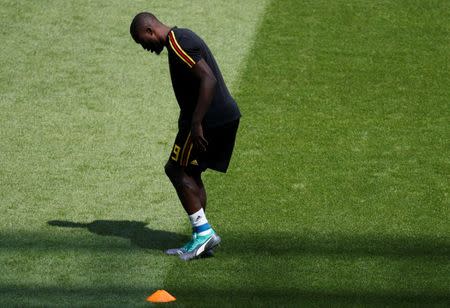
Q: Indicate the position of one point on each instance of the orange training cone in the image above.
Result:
(161, 296)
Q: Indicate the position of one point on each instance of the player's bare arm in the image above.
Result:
(206, 92)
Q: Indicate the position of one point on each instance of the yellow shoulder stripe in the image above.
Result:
(179, 51)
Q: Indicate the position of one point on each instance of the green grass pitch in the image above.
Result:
(338, 192)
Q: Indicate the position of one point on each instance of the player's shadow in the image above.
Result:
(135, 231)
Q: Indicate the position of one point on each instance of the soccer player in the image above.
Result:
(207, 124)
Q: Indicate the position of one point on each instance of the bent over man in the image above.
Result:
(207, 124)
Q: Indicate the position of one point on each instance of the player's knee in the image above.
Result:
(172, 172)
(175, 174)
(188, 185)
(180, 179)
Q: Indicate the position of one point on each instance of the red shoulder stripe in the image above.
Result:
(179, 51)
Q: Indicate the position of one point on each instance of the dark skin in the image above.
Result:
(151, 34)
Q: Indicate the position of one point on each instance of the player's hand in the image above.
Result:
(198, 139)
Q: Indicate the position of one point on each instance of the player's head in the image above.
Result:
(145, 30)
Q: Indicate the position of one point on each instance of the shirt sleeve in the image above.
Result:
(185, 48)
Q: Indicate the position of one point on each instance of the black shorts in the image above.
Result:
(218, 152)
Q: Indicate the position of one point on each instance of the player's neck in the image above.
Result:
(164, 33)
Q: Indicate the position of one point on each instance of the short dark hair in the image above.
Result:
(140, 20)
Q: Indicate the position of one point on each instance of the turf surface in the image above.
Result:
(337, 193)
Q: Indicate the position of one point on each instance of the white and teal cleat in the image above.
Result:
(201, 246)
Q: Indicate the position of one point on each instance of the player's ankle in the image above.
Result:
(200, 223)
(206, 232)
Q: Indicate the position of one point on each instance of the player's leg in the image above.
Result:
(192, 194)
(188, 193)
(221, 142)
(203, 199)
(186, 186)
(184, 171)
(198, 179)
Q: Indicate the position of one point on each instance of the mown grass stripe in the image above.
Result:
(334, 195)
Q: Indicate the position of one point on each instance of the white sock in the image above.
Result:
(200, 223)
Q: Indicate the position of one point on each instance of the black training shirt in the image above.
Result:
(185, 50)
